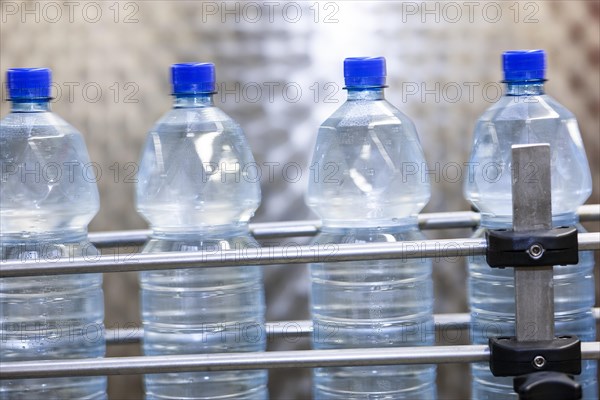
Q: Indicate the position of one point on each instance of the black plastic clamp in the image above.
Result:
(506, 248)
(543, 369)
(508, 357)
(547, 386)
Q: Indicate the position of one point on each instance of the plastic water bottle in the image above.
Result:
(526, 115)
(197, 191)
(365, 187)
(46, 203)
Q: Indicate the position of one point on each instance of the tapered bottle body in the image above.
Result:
(194, 190)
(526, 115)
(47, 199)
(365, 186)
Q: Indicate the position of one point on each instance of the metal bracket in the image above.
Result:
(532, 210)
(513, 358)
(556, 246)
(533, 243)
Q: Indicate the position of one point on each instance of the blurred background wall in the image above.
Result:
(279, 67)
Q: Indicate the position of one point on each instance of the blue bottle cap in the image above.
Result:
(192, 78)
(364, 71)
(524, 65)
(28, 83)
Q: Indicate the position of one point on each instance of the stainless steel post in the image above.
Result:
(532, 210)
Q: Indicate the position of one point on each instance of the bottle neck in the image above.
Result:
(365, 93)
(193, 100)
(30, 106)
(530, 88)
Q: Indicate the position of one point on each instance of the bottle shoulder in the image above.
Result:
(208, 124)
(203, 133)
(526, 108)
(195, 116)
(367, 165)
(35, 124)
(196, 170)
(50, 186)
(365, 112)
(526, 120)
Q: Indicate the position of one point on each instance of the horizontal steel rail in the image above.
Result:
(294, 329)
(293, 254)
(250, 256)
(442, 220)
(266, 360)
